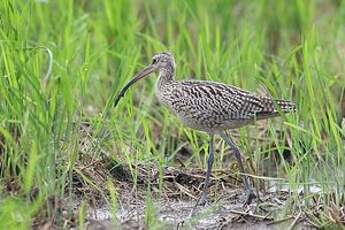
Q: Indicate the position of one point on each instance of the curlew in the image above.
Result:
(211, 107)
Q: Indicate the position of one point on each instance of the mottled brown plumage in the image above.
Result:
(211, 107)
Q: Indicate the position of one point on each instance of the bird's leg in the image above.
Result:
(203, 198)
(247, 186)
(209, 169)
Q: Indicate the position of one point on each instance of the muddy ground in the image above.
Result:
(226, 213)
(169, 205)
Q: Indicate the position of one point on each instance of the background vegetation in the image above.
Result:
(62, 62)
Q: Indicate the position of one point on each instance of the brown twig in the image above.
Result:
(184, 190)
(280, 220)
(252, 215)
(293, 224)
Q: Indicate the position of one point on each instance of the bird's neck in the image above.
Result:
(165, 79)
(166, 76)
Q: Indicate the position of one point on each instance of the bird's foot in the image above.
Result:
(202, 201)
(250, 195)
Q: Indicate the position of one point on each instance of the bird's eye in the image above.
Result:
(154, 60)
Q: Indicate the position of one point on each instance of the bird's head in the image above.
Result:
(164, 63)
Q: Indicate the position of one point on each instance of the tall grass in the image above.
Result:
(61, 63)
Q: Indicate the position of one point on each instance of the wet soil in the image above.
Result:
(228, 212)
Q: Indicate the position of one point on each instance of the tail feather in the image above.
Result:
(272, 107)
(286, 106)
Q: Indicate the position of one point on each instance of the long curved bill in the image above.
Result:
(143, 73)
